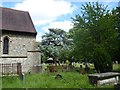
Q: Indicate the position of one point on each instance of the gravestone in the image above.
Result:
(99, 79)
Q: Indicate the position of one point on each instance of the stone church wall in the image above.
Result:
(19, 44)
(22, 49)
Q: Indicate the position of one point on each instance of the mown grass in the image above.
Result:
(47, 80)
(116, 67)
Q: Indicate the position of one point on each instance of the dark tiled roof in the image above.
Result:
(15, 20)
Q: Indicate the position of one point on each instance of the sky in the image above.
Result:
(52, 13)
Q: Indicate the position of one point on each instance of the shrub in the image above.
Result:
(102, 60)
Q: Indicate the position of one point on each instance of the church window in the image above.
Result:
(5, 45)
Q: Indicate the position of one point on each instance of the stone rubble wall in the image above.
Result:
(19, 44)
(22, 49)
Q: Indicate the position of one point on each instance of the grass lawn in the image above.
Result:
(47, 80)
(116, 67)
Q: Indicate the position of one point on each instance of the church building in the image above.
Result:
(18, 39)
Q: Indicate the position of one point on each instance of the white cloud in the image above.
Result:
(45, 11)
(64, 25)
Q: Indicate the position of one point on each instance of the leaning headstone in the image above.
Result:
(22, 76)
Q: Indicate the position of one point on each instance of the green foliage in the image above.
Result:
(95, 35)
(55, 44)
(102, 60)
(83, 44)
(116, 13)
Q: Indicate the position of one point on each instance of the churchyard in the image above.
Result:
(47, 79)
(94, 38)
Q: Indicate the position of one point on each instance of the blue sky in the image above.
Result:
(52, 13)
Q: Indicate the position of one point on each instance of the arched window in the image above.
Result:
(5, 45)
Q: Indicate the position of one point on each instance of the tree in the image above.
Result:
(55, 43)
(95, 35)
(82, 44)
(116, 13)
